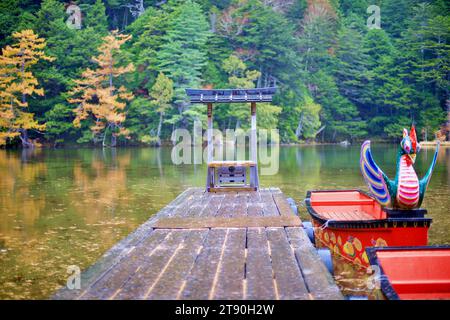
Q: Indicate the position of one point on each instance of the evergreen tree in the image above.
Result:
(148, 30)
(162, 94)
(351, 72)
(386, 96)
(183, 53)
(73, 50)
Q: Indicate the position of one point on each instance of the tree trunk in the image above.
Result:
(25, 140)
(238, 124)
(212, 20)
(298, 131)
(158, 132)
(447, 102)
(104, 137)
(113, 140)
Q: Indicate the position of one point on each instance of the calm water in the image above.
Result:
(67, 207)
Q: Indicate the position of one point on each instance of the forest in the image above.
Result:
(114, 72)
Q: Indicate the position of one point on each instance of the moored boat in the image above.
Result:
(349, 221)
(410, 273)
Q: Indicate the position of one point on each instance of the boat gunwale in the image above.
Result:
(385, 285)
(362, 224)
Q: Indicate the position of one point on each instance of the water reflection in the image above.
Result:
(64, 207)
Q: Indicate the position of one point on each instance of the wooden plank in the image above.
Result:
(282, 204)
(107, 285)
(171, 281)
(231, 189)
(259, 276)
(230, 276)
(255, 210)
(207, 199)
(198, 205)
(240, 205)
(214, 205)
(319, 281)
(255, 197)
(216, 164)
(201, 278)
(338, 202)
(152, 267)
(181, 209)
(227, 207)
(171, 208)
(237, 222)
(255, 206)
(269, 207)
(288, 278)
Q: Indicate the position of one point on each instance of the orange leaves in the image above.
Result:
(17, 82)
(95, 93)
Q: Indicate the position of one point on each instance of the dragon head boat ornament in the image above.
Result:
(406, 191)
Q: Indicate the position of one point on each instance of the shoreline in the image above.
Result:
(444, 144)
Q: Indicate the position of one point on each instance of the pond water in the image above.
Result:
(67, 207)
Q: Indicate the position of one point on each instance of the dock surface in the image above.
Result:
(228, 245)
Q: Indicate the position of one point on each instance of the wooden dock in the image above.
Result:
(229, 245)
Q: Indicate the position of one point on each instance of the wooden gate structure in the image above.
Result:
(231, 175)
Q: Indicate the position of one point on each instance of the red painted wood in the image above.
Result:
(346, 205)
(418, 274)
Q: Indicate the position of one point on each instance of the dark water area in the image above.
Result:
(68, 206)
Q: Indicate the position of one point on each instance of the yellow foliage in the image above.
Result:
(95, 93)
(17, 82)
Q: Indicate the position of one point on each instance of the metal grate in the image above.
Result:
(229, 175)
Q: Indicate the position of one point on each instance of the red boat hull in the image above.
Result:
(410, 273)
(349, 221)
(351, 243)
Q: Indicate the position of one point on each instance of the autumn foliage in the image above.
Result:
(16, 83)
(97, 98)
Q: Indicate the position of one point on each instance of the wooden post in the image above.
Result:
(253, 149)
(210, 133)
(253, 140)
(210, 149)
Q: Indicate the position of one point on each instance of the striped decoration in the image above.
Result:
(373, 176)
(408, 184)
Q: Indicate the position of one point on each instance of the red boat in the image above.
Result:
(410, 273)
(348, 221)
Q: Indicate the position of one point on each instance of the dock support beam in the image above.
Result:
(253, 148)
(210, 133)
(253, 141)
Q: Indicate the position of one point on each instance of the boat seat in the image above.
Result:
(342, 202)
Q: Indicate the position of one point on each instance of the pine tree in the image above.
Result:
(241, 78)
(183, 54)
(268, 38)
(162, 94)
(17, 81)
(387, 97)
(149, 30)
(73, 50)
(351, 72)
(97, 97)
(95, 17)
